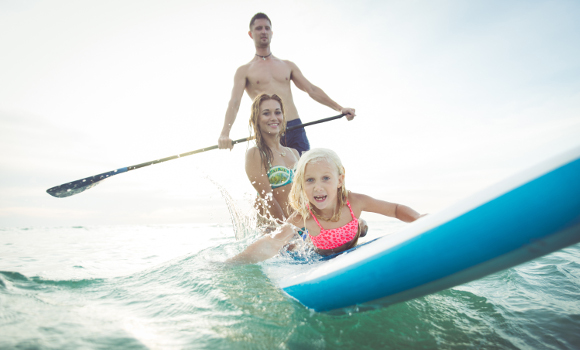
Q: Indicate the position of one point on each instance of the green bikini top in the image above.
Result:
(280, 176)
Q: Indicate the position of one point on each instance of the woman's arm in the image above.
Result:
(259, 179)
(399, 211)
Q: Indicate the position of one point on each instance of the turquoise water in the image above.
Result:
(165, 287)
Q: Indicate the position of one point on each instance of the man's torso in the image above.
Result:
(271, 76)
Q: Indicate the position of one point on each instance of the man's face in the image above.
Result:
(261, 32)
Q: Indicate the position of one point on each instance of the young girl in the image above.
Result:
(325, 208)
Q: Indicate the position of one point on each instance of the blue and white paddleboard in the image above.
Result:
(524, 217)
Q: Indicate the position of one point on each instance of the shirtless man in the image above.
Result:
(266, 73)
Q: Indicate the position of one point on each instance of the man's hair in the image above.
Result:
(258, 16)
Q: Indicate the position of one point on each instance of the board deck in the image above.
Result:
(524, 217)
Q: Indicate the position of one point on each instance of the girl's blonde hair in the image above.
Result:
(266, 154)
(297, 197)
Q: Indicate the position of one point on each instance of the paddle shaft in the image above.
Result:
(71, 188)
(133, 167)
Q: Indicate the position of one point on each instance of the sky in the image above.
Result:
(451, 97)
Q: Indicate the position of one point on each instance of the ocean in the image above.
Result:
(166, 287)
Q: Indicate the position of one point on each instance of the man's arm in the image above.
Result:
(224, 140)
(316, 93)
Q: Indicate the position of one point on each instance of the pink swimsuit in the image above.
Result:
(330, 239)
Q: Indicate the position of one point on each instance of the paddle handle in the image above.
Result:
(315, 122)
(133, 167)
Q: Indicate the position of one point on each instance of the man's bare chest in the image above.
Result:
(260, 76)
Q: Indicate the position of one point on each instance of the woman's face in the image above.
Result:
(271, 117)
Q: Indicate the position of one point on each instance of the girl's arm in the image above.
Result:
(395, 210)
(265, 247)
(259, 179)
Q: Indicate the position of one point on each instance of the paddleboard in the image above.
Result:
(524, 217)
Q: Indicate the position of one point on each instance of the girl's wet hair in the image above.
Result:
(297, 197)
(266, 154)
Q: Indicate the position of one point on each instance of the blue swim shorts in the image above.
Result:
(296, 138)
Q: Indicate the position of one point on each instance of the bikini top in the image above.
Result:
(279, 175)
(330, 239)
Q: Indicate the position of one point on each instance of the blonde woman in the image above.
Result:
(269, 165)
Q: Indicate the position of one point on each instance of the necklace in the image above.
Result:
(282, 153)
(264, 57)
(334, 218)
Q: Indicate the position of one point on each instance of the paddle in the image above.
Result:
(75, 187)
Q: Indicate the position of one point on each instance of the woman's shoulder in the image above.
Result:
(254, 161)
(253, 153)
(295, 152)
(252, 149)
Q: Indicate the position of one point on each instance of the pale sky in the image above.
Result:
(451, 97)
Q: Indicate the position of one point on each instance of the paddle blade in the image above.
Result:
(75, 187)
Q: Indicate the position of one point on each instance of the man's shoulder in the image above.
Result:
(288, 63)
(243, 68)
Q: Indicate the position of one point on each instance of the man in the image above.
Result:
(266, 73)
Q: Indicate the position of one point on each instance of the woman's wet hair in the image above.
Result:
(297, 198)
(266, 154)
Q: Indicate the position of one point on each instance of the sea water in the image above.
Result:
(166, 287)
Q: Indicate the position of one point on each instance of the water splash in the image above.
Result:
(248, 223)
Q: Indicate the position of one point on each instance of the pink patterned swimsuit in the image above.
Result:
(330, 239)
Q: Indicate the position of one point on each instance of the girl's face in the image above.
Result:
(321, 181)
(271, 117)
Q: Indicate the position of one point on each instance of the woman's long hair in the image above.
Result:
(266, 154)
(298, 199)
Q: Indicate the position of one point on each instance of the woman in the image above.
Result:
(269, 164)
